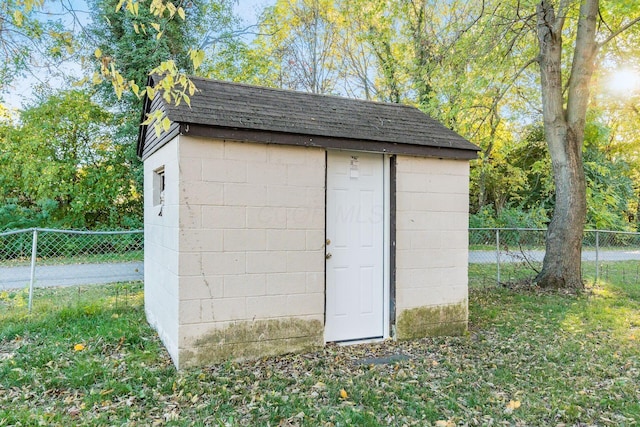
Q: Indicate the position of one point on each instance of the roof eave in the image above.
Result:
(283, 138)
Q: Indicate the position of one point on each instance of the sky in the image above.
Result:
(247, 8)
(21, 92)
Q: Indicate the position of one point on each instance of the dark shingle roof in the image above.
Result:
(232, 106)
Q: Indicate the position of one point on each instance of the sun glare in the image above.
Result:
(624, 81)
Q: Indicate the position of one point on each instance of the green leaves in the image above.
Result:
(64, 161)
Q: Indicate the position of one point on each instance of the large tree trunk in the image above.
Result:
(562, 261)
(564, 132)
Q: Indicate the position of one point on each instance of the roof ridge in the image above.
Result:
(299, 92)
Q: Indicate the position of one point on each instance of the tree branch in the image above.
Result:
(619, 30)
(496, 100)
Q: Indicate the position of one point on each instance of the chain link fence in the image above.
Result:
(39, 257)
(45, 257)
(502, 255)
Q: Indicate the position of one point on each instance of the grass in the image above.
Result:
(485, 275)
(87, 357)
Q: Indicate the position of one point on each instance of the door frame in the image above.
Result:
(387, 244)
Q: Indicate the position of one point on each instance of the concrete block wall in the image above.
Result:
(161, 251)
(432, 210)
(251, 241)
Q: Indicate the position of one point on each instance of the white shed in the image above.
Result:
(278, 221)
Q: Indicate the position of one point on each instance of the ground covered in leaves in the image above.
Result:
(530, 358)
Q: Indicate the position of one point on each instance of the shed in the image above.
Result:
(278, 221)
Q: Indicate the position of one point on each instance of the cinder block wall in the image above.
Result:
(161, 248)
(432, 211)
(251, 240)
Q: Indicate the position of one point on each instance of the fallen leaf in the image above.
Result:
(78, 347)
(343, 393)
(512, 406)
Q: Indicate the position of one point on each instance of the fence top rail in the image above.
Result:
(52, 230)
(507, 229)
(9, 233)
(84, 232)
(634, 233)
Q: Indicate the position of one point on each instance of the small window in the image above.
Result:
(158, 188)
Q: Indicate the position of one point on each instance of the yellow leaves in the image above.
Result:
(197, 57)
(512, 406)
(133, 7)
(174, 86)
(166, 124)
(166, 67)
(160, 8)
(155, 116)
(151, 92)
(78, 347)
(18, 18)
(117, 81)
(160, 121)
(343, 394)
(96, 78)
(134, 88)
(97, 53)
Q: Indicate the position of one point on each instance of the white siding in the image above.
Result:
(161, 250)
(252, 234)
(432, 198)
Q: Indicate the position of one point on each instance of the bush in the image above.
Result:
(509, 217)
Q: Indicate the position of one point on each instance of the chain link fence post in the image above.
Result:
(597, 256)
(498, 254)
(517, 254)
(34, 255)
(35, 258)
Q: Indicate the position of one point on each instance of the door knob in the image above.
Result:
(328, 255)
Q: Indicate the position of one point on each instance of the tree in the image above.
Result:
(302, 39)
(61, 166)
(564, 111)
(29, 41)
(130, 41)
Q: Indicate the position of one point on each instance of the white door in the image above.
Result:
(354, 250)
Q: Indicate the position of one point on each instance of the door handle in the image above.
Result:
(328, 255)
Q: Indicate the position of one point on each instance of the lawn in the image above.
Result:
(87, 357)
